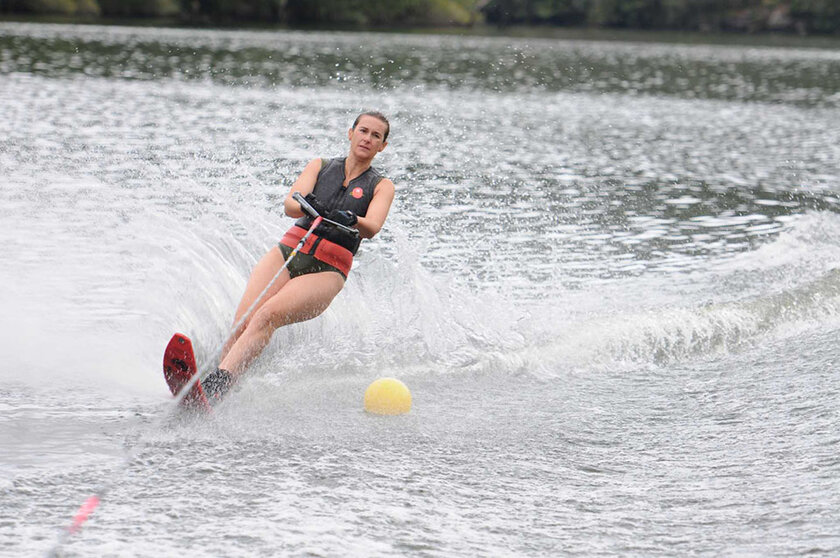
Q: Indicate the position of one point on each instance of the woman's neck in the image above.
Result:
(354, 168)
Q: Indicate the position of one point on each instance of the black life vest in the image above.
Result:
(332, 194)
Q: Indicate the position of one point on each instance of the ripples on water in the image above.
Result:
(609, 279)
(801, 76)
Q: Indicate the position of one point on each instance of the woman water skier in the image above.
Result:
(348, 191)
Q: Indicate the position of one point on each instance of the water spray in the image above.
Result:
(92, 502)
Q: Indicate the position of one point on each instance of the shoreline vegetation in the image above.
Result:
(548, 18)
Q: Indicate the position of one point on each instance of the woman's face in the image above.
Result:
(367, 138)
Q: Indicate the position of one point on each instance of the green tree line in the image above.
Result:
(803, 16)
(343, 12)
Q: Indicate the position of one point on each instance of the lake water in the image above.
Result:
(610, 279)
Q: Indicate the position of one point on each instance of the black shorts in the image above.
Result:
(304, 263)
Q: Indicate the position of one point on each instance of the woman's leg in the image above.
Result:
(301, 298)
(262, 274)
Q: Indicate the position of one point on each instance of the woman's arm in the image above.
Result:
(304, 184)
(378, 209)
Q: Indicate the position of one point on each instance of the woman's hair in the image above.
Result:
(379, 116)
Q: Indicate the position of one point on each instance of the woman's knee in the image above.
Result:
(263, 320)
(273, 316)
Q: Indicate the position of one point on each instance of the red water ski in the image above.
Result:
(178, 367)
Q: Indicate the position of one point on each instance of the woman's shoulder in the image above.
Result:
(315, 164)
(384, 184)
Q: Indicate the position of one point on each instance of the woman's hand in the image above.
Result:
(316, 205)
(343, 217)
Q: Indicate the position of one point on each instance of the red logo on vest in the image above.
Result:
(357, 193)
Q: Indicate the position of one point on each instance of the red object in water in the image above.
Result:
(178, 368)
(84, 512)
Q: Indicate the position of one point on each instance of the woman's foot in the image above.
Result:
(217, 384)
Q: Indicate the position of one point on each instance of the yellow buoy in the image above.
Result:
(387, 396)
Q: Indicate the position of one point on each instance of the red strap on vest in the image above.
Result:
(326, 251)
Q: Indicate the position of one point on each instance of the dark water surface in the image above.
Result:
(610, 279)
